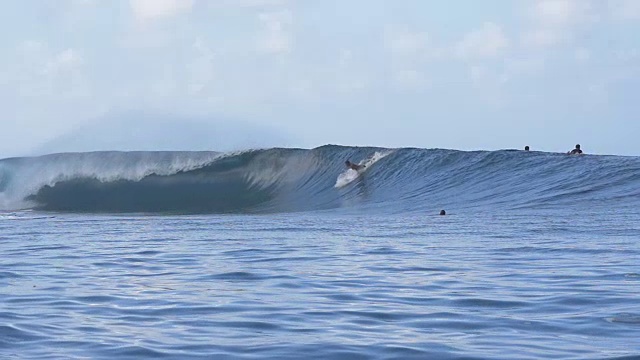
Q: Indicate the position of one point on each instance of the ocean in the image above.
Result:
(284, 254)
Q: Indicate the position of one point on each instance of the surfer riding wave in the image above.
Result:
(353, 166)
(355, 171)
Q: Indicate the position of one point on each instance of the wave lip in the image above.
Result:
(284, 180)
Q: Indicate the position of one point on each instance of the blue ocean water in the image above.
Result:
(283, 254)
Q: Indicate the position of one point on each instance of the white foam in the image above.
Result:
(346, 178)
(25, 177)
(350, 175)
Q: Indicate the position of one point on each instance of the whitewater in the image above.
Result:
(285, 253)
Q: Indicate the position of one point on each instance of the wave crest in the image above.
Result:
(280, 180)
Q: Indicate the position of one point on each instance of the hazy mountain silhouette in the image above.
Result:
(149, 132)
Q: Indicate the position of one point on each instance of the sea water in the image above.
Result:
(368, 271)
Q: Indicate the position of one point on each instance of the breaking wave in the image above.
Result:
(286, 180)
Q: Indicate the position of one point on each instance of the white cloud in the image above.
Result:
(489, 85)
(493, 81)
(401, 41)
(201, 68)
(276, 38)
(583, 55)
(48, 74)
(218, 4)
(146, 10)
(31, 48)
(630, 56)
(486, 42)
(625, 9)
(65, 60)
(545, 37)
(524, 66)
(256, 3)
(564, 12)
(345, 58)
(84, 2)
(408, 79)
(351, 76)
(477, 73)
(555, 11)
(410, 53)
(555, 22)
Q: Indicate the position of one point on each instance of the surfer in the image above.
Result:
(353, 166)
(576, 151)
(526, 148)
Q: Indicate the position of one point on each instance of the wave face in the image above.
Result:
(287, 180)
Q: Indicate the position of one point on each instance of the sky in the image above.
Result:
(82, 75)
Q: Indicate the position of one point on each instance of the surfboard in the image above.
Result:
(349, 175)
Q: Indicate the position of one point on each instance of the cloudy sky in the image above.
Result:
(463, 74)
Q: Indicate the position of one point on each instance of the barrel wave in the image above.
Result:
(289, 180)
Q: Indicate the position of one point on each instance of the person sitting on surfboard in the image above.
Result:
(353, 166)
(575, 151)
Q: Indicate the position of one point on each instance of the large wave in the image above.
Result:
(286, 180)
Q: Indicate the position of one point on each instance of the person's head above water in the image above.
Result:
(526, 148)
(577, 150)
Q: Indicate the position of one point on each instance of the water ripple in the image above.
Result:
(152, 287)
